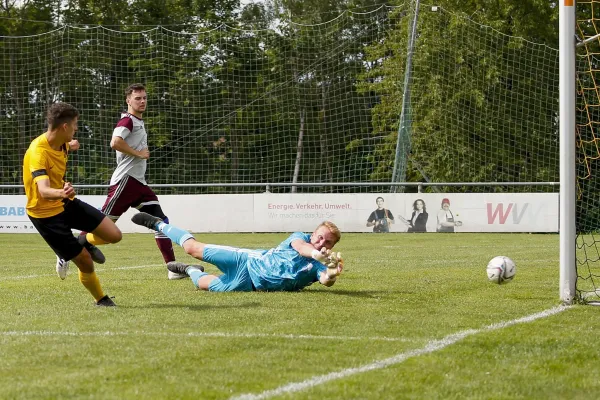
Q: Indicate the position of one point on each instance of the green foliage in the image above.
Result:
(475, 115)
(233, 89)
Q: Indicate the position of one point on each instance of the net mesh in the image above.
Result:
(588, 153)
(483, 105)
(295, 103)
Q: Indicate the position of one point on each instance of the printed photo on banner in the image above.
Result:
(446, 219)
(418, 219)
(381, 218)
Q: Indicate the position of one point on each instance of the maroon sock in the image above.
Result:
(166, 248)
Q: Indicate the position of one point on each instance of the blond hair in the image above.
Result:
(335, 231)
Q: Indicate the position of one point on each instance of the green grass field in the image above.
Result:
(412, 317)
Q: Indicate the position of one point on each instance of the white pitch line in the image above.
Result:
(430, 347)
(479, 246)
(7, 278)
(202, 334)
(134, 267)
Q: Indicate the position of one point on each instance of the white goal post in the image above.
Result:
(568, 274)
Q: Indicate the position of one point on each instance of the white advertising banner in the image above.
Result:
(268, 212)
(473, 212)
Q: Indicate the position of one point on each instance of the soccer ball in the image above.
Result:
(501, 269)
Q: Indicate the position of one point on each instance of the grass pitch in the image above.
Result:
(412, 317)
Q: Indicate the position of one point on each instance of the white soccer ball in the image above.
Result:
(501, 269)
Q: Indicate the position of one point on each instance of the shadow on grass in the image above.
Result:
(194, 307)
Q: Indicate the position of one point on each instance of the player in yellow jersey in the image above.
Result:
(51, 203)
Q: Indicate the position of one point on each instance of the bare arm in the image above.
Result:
(117, 143)
(308, 250)
(49, 193)
(403, 220)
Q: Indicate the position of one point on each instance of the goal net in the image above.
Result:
(588, 150)
(240, 104)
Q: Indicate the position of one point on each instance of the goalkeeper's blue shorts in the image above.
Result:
(232, 261)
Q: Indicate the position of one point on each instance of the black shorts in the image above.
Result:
(56, 230)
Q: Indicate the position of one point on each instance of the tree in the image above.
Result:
(21, 97)
(483, 104)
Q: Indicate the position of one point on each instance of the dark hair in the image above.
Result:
(415, 205)
(134, 88)
(377, 199)
(60, 113)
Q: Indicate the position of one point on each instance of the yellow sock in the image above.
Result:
(95, 240)
(92, 284)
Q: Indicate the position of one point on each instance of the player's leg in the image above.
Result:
(230, 260)
(200, 279)
(89, 279)
(56, 231)
(82, 216)
(118, 200)
(108, 231)
(171, 232)
(177, 235)
(52, 229)
(95, 252)
(148, 202)
(116, 203)
(163, 243)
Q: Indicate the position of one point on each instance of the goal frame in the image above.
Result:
(567, 78)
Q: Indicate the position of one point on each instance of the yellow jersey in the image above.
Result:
(43, 162)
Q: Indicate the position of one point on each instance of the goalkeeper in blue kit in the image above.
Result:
(297, 262)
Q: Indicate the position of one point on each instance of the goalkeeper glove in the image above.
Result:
(334, 265)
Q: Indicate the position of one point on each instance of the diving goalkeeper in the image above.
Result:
(297, 262)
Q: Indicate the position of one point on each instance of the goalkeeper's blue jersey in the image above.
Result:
(283, 268)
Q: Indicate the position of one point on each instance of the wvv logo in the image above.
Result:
(502, 214)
